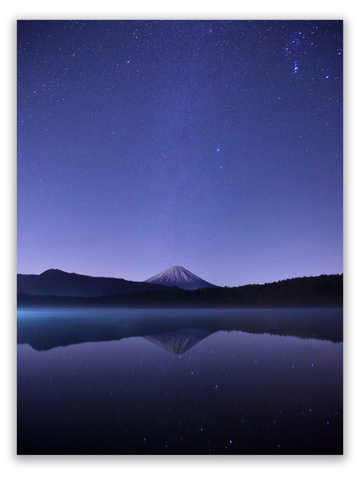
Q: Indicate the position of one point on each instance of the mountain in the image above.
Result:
(180, 277)
(59, 283)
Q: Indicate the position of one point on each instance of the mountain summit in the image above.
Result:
(180, 277)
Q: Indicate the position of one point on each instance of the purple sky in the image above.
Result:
(213, 145)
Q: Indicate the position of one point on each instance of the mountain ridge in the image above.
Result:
(59, 283)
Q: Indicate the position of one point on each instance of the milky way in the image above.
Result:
(214, 145)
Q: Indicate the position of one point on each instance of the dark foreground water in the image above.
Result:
(180, 381)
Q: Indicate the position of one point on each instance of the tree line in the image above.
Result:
(321, 291)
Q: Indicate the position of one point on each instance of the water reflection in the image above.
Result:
(212, 388)
(46, 329)
(178, 342)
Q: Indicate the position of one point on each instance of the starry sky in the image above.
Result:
(214, 145)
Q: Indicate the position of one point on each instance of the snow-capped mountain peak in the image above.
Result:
(180, 277)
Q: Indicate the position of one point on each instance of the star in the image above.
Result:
(149, 112)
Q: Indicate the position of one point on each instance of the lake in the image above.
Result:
(216, 381)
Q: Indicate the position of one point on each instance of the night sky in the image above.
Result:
(213, 145)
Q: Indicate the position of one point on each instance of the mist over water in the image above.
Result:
(159, 382)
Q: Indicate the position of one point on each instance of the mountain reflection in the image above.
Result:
(174, 330)
(179, 342)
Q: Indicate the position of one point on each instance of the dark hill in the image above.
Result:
(62, 284)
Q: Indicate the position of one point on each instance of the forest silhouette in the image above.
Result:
(321, 291)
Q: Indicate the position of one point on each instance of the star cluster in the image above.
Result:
(215, 145)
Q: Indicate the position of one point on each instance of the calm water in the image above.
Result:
(180, 381)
